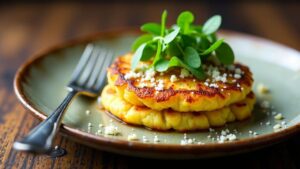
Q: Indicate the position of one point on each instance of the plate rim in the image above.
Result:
(251, 142)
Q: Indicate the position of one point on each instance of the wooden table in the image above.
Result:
(29, 28)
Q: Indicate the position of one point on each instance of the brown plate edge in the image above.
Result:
(109, 144)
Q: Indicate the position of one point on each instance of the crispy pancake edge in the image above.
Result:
(172, 120)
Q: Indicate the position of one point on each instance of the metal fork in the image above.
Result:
(88, 78)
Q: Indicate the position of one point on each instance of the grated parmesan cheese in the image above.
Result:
(184, 73)
(111, 130)
(156, 140)
(150, 73)
(262, 89)
(278, 117)
(160, 85)
(145, 139)
(238, 71)
(214, 85)
(173, 78)
(87, 112)
(132, 137)
(277, 127)
(265, 104)
(132, 75)
(237, 76)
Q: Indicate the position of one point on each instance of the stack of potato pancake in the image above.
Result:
(175, 99)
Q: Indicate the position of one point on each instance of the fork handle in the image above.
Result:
(40, 139)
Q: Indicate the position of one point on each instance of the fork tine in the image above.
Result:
(102, 73)
(97, 67)
(82, 62)
(88, 69)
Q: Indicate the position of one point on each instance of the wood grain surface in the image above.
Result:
(26, 29)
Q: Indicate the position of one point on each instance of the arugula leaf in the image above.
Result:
(225, 54)
(171, 36)
(212, 37)
(198, 73)
(213, 47)
(152, 28)
(137, 56)
(176, 62)
(173, 49)
(197, 28)
(184, 20)
(188, 40)
(164, 47)
(161, 65)
(140, 40)
(203, 43)
(191, 57)
(148, 53)
(212, 24)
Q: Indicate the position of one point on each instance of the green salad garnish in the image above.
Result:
(184, 44)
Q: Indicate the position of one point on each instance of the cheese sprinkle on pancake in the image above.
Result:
(169, 119)
(176, 89)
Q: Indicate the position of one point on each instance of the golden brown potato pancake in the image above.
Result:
(178, 91)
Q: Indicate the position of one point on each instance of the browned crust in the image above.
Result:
(165, 94)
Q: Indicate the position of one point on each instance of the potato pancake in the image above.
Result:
(176, 89)
(169, 119)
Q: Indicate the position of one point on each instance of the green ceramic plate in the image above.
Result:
(40, 86)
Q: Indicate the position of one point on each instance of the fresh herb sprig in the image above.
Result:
(184, 45)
